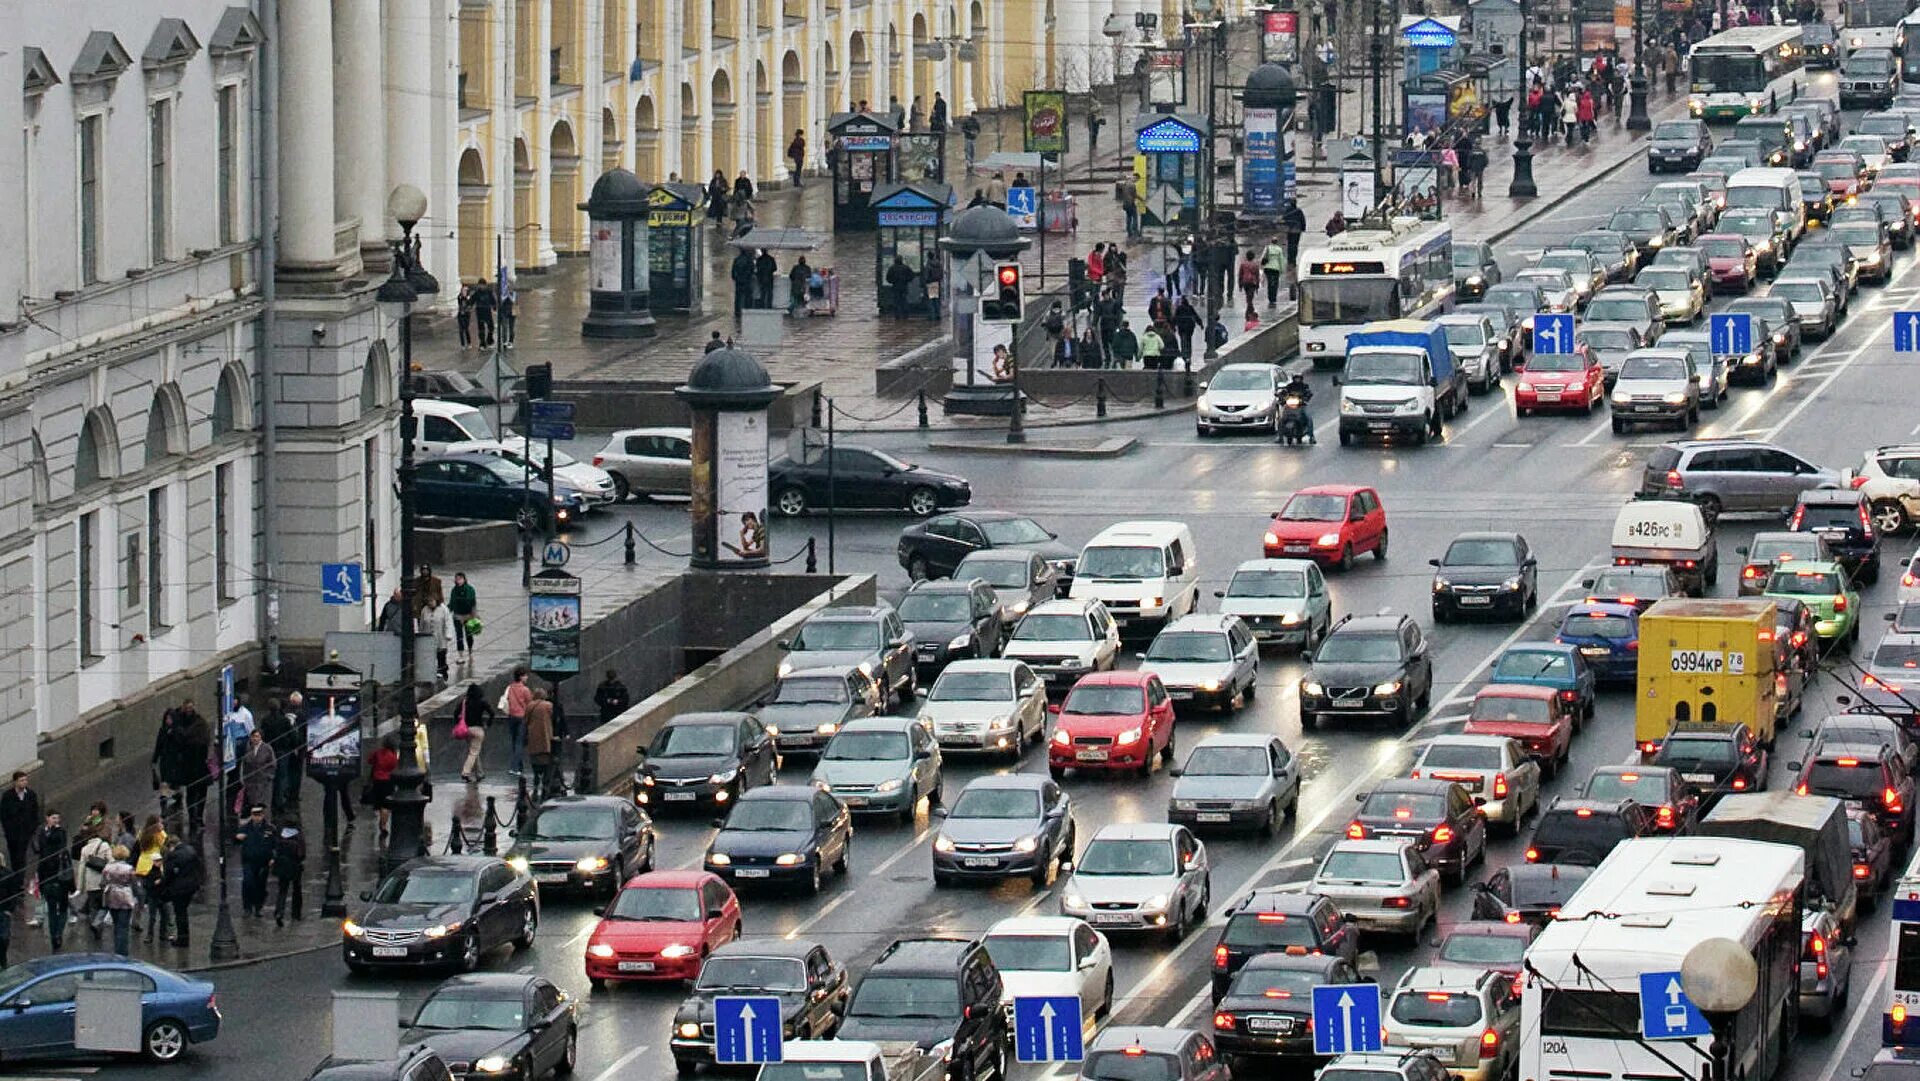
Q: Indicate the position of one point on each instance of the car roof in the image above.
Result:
(1832, 495)
(941, 585)
(766, 946)
(1461, 739)
(1282, 961)
(1279, 899)
(1381, 623)
(816, 671)
(1441, 977)
(1028, 781)
(1573, 805)
(882, 724)
(1280, 564)
(1516, 690)
(1072, 606)
(1493, 929)
(1848, 747)
(995, 665)
(1487, 535)
(669, 879)
(709, 717)
(487, 981)
(1136, 831)
(1602, 608)
(1036, 925)
(927, 954)
(1372, 844)
(1810, 567)
(1114, 677)
(611, 803)
(1414, 785)
(1235, 739)
(770, 793)
(851, 612)
(622, 433)
(1215, 622)
(1333, 489)
(469, 864)
(1154, 1038)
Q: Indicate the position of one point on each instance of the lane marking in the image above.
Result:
(1814, 395)
(614, 1069)
(1863, 1005)
(846, 894)
(910, 846)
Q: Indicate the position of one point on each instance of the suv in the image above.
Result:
(1277, 920)
(1869, 774)
(1469, 1017)
(1377, 665)
(1841, 515)
(1713, 757)
(1583, 831)
(951, 619)
(1063, 640)
(1439, 816)
(891, 1002)
(869, 637)
(1206, 660)
(1731, 475)
(1889, 477)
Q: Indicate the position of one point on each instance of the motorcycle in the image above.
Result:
(1296, 426)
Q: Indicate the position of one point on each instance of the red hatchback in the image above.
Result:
(1555, 381)
(1535, 716)
(1732, 264)
(1330, 523)
(661, 926)
(1112, 721)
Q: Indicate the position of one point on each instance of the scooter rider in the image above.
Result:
(1296, 387)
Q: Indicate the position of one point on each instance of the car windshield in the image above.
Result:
(1117, 856)
(995, 803)
(1243, 379)
(838, 636)
(1634, 221)
(1436, 1009)
(1268, 584)
(1530, 664)
(1466, 334)
(1015, 531)
(693, 739)
(1835, 170)
(1189, 647)
(1031, 953)
(574, 824)
(1649, 788)
(1813, 187)
(867, 747)
(1664, 278)
(1405, 806)
(1383, 367)
(1676, 130)
(1803, 582)
(1121, 561)
(1488, 951)
(1223, 761)
(1502, 707)
(1553, 281)
(1359, 649)
(1363, 866)
(1545, 887)
(499, 1014)
(771, 815)
(1269, 931)
(1053, 627)
(512, 472)
(1897, 653)
(1468, 256)
(1779, 548)
(1704, 750)
(955, 686)
(811, 690)
(934, 608)
(1104, 698)
(998, 573)
(1523, 298)
(1481, 552)
(1461, 756)
(1724, 247)
(1844, 778)
(1627, 583)
(1624, 309)
(1314, 507)
(1662, 368)
(1274, 983)
(647, 904)
(1593, 834)
(1593, 626)
(1860, 234)
(1868, 64)
(1121, 1066)
(425, 887)
(753, 974)
(1805, 292)
(1557, 362)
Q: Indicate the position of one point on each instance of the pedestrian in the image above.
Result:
(611, 697)
(1153, 346)
(1273, 265)
(1503, 115)
(743, 186)
(970, 131)
(148, 852)
(1249, 274)
(1570, 116)
(289, 863)
(475, 712)
(20, 815)
(714, 343)
(518, 697)
(1087, 351)
(463, 315)
(937, 119)
(463, 604)
(181, 871)
(53, 867)
(740, 212)
(1125, 346)
(797, 154)
(379, 791)
(1336, 224)
(90, 864)
(1477, 166)
(1585, 113)
(277, 729)
(1110, 311)
(180, 761)
(117, 897)
(391, 613)
(899, 276)
(509, 303)
(257, 771)
(797, 278)
(125, 830)
(997, 190)
(255, 838)
(540, 741)
(436, 624)
(12, 888)
(742, 274)
(717, 192)
(1186, 320)
(764, 271)
(1294, 221)
(1159, 308)
(896, 113)
(483, 304)
(914, 114)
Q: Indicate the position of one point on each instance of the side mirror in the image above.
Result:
(1140, 656)
(937, 812)
(1361, 797)
(1433, 563)
(1053, 707)
(785, 643)
(366, 895)
(1087, 961)
(1336, 382)
(716, 913)
(1519, 364)
(1433, 381)
(1479, 801)
(719, 823)
(1740, 551)
(1219, 593)
(1176, 771)
(1203, 383)
(1586, 583)
(1793, 767)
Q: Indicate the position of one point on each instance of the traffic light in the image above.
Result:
(1003, 302)
(539, 382)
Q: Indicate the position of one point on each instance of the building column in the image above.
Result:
(408, 105)
(359, 115)
(306, 142)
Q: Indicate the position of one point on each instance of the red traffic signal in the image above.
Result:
(1009, 275)
(1004, 303)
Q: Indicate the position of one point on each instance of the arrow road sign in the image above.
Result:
(1553, 332)
(1731, 334)
(1665, 1011)
(1047, 1028)
(341, 583)
(1906, 332)
(746, 1030)
(1346, 1016)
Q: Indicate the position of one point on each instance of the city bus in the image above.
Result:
(1873, 24)
(1402, 269)
(1647, 904)
(1901, 1018)
(1908, 51)
(1744, 71)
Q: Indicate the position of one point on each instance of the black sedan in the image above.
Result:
(442, 910)
(1485, 574)
(861, 478)
(1526, 893)
(414, 1062)
(1267, 1011)
(704, 760)
(1002, 826)
(485, 486)
(951, 620)
(812, 988)
(584, 842)
(509, 1025)
(784, 833)
(933, 548)
(1678, 145)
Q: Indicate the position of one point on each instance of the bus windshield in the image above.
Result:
(1347, 300)
(1728, 73)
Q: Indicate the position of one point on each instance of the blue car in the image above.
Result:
(37, 1005)
(1551, 664)
(782, 834)
(1608, 636)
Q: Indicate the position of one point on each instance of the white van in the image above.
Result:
(1668, 532)
(1144, 572)
(1773, 189)
(441, 424)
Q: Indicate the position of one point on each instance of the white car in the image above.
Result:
(1384, 885)
(591, 481)
(1236, 781)
(1239, 398)
(649, 461)
(1282, 601)
(1872, 150)
(1468, 1017)
(1062, 640)
(1048, 956)
(1140, 876)
(990, 704)
(1656, 386)
(1493, 769)
(1557, 285)
(1475, 346)
(1889, 477)
(1206, 660)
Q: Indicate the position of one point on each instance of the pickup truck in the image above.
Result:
(854, 1060)
(1535, 716)
(1400, 381)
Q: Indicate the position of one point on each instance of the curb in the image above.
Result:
(1081, 422)
(1105, 448)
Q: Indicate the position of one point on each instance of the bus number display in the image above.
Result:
(1347, 267)
(1702, 661)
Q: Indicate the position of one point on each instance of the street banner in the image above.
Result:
(740, 478)
(1262, 163)
(1045, 127)
(1280, 36)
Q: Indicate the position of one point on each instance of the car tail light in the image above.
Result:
(599, 459)
(1861, 870)
(1356, 831)
(213, 1003)
(1899, 1014)
(1907, 579)
(1820, 969)
(1489, 1043)
(1397, 902)
(1799, 638)
(1840, 603)
(1858, 483)
(1533, 855)
(1750, 571)
(1673, 478)
(1633, 645)
(1223, 1021)
(1866, 523)
(1766, 636)
(1569, 696)
(1438, 996)
(1649, 747)
(1220, 957)
(1800, 789)
(1848, 762)
(1275, 992)
(1892, 799)
(1499, 785)
(1271, 917)
(1443, 834)
(1415, 774)
(1665, 815)
(1687, 564)
(1799, 515)
(1513, 917)
(1739, 784)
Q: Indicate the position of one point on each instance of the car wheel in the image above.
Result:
(1888, 517)
(908, 808)
(529, 923)
(813, 877)
(1346, 558)
(941, 880)
(922, 502)
(1106, 999)
(470, 952)
(1710, 508)
(685, 1067)
(790, 502)
(1046, 871)
(165, 1041)
(917, 569)
(595, 983)
(1619, 426)
(846, 854)
(1380, 550)
(1272, 824)
(569, 1055)
(1058, 773)
(621, 489)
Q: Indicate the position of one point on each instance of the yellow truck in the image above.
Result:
(1708, 660)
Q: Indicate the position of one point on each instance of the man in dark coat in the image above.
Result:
(19, 817)
(764, 271)
(256, 840)
(180, 760)
(485, 300)
(742, 273)
(899, 276)
(180, 876)
(612, 697)
(53, 866)
(281, 730)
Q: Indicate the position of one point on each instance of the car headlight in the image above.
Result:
(352, 929)
(785, 668)
(1062, 737)
(1001, 722)
(1349, 407)
(1873, 258)
(1155, 903)
(600, 950)
(1020, 608)
(943, 843)
(1289, 619)
(789, 859)
(827, 729)
(1441, 585)
(688, 1030)
(719, 859)
(491, 1064)
(891, 784)
(1026, 844)
(1511, 583)
(1186, 805)
(1657, 242)
(677, 950)
(647, 780)
(590, 864)
(961, 641)
(1210, 685)
(442, 930)
(1390, 687)
(1072, 899)
(1149, 600)
(1131, 735)
(1676, 398)
(1312, 688)
(724, 776)
(773, 730)
(518, 863)
(1327, 540)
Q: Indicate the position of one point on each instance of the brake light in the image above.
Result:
(1687, 564)
(1499, 784)
(1800, 789)
(1866, 524)
(1442, 834)
(1899, 1014)
(1533, 854)
(1891, 798)
(1133, 1051)
(1397, 902)
(1489, 1043)
(1633, 645)
(1907, 579)
(1649, 747)
(1665, 815)
(1847, 761)
(1739, 784)
(1799, 515)
(1818, 944)
(1857, 483)
(1673, 478)
(1750, 571)
(1799, 638)
(1820, 969)
(1275, 992)
(1766, 636)
(1402, 813)
(1223, 1020)
(1356, 831)
(1416, 774)
(1219, 957)
(1513, 917)
(1840, 603)
(1271, 917)
(1625, 599)
(1861, 870)
(1569, 696)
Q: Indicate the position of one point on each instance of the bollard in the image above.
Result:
(631, 557)
(490, 829)
(813, 563)
(923, 408)
(816, 407)
(584, 778)
(457, 839)
(522, 802)
(1159, 388)
(1100, 397)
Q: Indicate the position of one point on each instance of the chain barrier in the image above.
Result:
(904, 406)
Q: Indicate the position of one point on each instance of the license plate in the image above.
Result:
(1646, 409)
(980, 861)
(1213, 816)
(1697, 778)
(1091, 756)
(1296, 547)
(1180, 696)
(1476, 600)
(854, 801)
(1595, 651)
(636, 966)
(1380, 425)
(1348, 703)
(1269, 1024)
(389, 951)
(552, 880)
(1111, 919)
(679, 797)
(752, 872)
(1547, 395)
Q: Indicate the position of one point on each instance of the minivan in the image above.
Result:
(1669, 532)
(1771, 132)
(443, 423)
(1777, 190)
(1731, 475)
(1146, 573)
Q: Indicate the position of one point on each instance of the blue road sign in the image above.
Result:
(1665, 1011)
(550, 410)
(1906, 332)
(1346, 1016)
(1047, 1028)
(1022, 202)
(746, 1030)
(549, 429)
(1730, 334)
(342, 583)
(555, 554)
(1553, 333)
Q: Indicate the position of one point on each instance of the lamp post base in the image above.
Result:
(1522, 186)
(1637, 118)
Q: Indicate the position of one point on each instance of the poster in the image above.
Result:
(1262, 163)
(1045, 128)
(553, 624)
(333, 734)
(1289, 179)
(1166, 77)
(740, 479)
(1356, 192)
(993, 359)
(603, 257)
(1280, 36)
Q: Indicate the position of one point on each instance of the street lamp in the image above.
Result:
(407, 280)
(1637, 118)
(1522, 187)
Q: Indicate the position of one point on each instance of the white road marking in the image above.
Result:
(1864, 1005)
(846, 894)
(887, 864)
(1814, 394)
(1487, 414)
(614, 1069)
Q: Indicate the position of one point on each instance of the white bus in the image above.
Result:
(1907, 48)
(1744, 71)
(1900, 1018)
(1366, 275)
(1646, 905)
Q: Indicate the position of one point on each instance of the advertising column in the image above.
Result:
(1261, 168)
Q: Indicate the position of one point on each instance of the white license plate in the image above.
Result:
(1180, 696)
(1380, 425)
(1697, 778)
(679, 797)
(636, 966)
(980, 861)
(1296, 547)
(389, 951)
(1476, 600)
(752, 872)
(854, 801)
(1213, 816)
(1348, 703)
(1595, 651)
(1269, 1024)
(1112, 920)
(552, 880)
(1646, 409)
(1090, 756)
(1546, 395)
